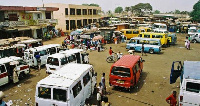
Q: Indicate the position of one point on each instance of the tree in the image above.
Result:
(118, 10)
(96, 5)
(195, 14)
(110, 13)
(127, 9)
(141, 8)
(156, 12)
(177, 11)
(92, 4)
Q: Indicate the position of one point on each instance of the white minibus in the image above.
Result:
(69, 86)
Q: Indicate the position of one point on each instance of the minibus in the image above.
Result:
(150, 45)
(162, 36)
(7, 65)
(129, 33)
(44, 51)
(58, 60)
(126, 71)
(69, 86)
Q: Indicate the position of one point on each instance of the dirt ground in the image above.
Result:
(152, 89)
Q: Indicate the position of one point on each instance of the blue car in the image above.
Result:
(150, 45)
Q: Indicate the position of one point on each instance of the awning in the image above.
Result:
(35, 27)
(23, 28)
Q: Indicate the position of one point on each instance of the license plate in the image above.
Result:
(120, 81)
(52, 68)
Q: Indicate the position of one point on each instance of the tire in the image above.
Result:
(132, 48)
(109, 59)
(22, 75)
(194, 41)
(151, 51)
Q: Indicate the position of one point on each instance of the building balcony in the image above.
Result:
(29, 22)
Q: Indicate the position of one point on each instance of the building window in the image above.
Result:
(94, 20)
(79, 25)
(78, 11)
(67, 24)
(89, 21)
(48, 15)
(72, 11)
(94, 12)
(13, 17)
(84, 22)
(84, 11)
(66, 11)
(72, 24)
(89, 11)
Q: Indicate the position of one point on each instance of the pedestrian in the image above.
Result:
(111, 53)
(38, 61)
(15, 75)
(2, 103)
(115, 40)
(142, 50)
(188, 45)
(99, 94)
(172, 99)
(98, 46)
(103, 84)
(122, 36)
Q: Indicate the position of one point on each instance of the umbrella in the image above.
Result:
(98, 37)
(85, 36)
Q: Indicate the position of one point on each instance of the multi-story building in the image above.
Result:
(72, 16)
(17, 21)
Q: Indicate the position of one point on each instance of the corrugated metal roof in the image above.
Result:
(66, 75)
(127, 61)
(192, 69)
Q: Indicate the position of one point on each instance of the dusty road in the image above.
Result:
(153, 86)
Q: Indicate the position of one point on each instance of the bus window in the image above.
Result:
(128, 32)
(148, 30)
(64, 61)
(132, 41)
(146, 36)
(86, 79)
(43, 52)
(135, 32)
(121, 71)
(140, 35)
(76, 89)
(44, 92)
(59, 94)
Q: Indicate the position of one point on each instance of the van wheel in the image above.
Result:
(194, 41)
(132, 48)
(22, 75)
(151, 51)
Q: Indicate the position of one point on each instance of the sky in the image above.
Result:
(161, 5)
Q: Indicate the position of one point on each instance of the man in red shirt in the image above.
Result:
(110, 51)
(172, 99)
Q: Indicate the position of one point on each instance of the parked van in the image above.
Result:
(58, 60)
(190, 81)
(192, 30)
(44, 51)
(31, 42)
(162, 36)
(129, 33)
(145, 29)
(159, 26)
(150, 45)
(126, 71)
(7, 65)
(69, 86)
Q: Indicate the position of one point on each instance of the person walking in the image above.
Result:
(111, 53)
(38, 61)
(99, 94)
(172, 99)
(142, 50)
(103, 84)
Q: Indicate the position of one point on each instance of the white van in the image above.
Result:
(58, 60)
(44, 51)
(69, 86)
(190, 84)
(6, 69)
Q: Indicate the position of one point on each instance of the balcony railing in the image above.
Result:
(29, 22)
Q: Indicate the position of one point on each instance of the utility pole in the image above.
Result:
(43, 3)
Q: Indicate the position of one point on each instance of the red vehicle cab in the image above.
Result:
(126, 71)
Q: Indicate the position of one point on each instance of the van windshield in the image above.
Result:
(193, 87)
(52, 61)
(72, 58)
(121, 71)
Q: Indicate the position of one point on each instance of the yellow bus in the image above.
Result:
(162, 36)
(145, 29)
(129, 33)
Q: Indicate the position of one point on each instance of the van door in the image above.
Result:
(78, 95)
(59, 97)
(3, 75)
(176, 71)
(43, 56)
(43, 96)
(137, 69)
